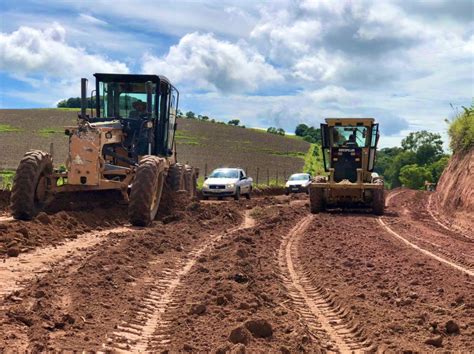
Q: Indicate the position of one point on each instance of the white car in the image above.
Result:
(298, 182)
(227, 182)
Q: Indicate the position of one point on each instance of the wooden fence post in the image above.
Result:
(258, 170)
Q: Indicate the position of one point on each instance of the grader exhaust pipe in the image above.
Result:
(83, 98)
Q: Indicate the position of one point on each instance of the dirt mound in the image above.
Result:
(455, 192)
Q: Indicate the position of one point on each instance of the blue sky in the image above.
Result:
(274, 63)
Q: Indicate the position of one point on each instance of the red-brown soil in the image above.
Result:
(259, 275)
(454, 196)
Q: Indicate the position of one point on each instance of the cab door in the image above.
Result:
(374, 138)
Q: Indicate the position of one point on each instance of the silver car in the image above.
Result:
(227, 182)
(297, 183)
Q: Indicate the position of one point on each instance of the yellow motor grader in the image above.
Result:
(349, 146)
(128, 145)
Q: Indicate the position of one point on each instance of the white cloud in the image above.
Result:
(32, 52)
(320, 67)
(203, 61)
(91, 20)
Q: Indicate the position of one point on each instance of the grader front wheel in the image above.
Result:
(316, 200)
(147, 187)
(31, 184)
(190, 180)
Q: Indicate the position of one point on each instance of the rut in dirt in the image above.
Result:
(454, 258)
(150, 325)
(325, 318)
(15, 273)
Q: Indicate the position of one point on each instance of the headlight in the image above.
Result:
(231, 185)
(287, 184)
(205, 185)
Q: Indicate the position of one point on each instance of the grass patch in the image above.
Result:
(185, 138)
(7, 128)
(6, 179)
(50, 131)
(461, 131)
(313, 160)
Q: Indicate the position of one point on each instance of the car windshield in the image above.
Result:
(224, 174)
(299, 177)
(349, 136)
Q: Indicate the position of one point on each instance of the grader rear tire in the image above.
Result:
(175, 178)
(31, 184)
(146, 191)
(378, 202)
(316, 200)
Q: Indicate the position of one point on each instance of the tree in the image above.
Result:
(415, 140)
(190, 115)
(235, 122)
(392, 173)
(414, 176)
(277, 131)
(301, 129)
(205, 118)
(427, 154)
(438, 167)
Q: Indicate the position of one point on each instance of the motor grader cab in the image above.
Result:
(127, 145)
(349, 147)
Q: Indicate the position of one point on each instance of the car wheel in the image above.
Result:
(237, 194)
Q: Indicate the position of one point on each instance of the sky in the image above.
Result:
(408, 64)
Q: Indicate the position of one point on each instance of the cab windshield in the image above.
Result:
(349, 136)
(224, 174)
(124, 100)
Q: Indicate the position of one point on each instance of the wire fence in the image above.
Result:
(260, 176)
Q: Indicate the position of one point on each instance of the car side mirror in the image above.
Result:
(242, 178)
(206, 177)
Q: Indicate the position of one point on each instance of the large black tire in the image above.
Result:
(147, 188)
(190, 180)
(31, 184)
(248, 194)
(316, 200)
(378, 202)
(175, 178)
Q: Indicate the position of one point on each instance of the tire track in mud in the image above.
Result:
(324, 316)
(149, 327)
(15, 273)
(4, 219)
(458, 264)
(385, 226)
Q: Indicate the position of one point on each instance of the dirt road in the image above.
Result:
(262, 275)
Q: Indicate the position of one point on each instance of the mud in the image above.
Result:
(259, 275)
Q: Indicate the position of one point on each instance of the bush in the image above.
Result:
(414, 176)
(461, 131)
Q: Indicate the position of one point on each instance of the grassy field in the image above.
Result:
(202, 144)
